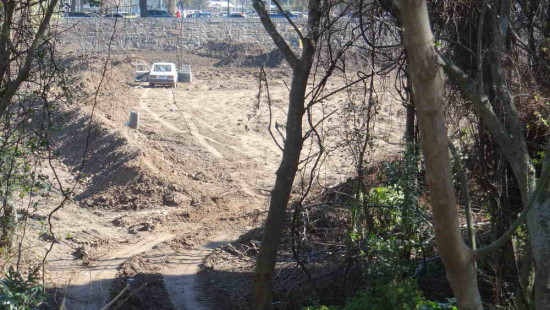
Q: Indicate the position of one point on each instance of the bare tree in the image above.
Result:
(427, 79)
(261, 295)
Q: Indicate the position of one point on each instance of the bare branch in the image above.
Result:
(271, 29)
(538, 193)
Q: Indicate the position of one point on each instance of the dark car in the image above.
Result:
(278, 14)
(157, 13)
(117, 15)
(237, 15)
(77, 14)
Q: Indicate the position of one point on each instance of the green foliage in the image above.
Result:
(18, 178)
(394, 295)
(432, 305)
(385, 218)
(543, 121)
(389, 195)
(404, 174)
(387, 296)
(19, 293)
(390, 232)
(538, 158)
(16, 167)
(95, 3)
(382, 258)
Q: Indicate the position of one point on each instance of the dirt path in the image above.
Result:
(88, 287)
(204, 141)
(151, 97)
(174, 116)
(180, 268)
(179, 275)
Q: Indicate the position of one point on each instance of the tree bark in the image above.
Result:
(427, 78)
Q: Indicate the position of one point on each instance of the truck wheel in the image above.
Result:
(151, 85)
(175, 84)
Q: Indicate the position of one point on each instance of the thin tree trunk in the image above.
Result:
(410, 134)
(526, 281)
(539, 229)
(464, 187)
(261, 293)
(8, 226)
(427, 79)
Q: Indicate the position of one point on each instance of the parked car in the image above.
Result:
(237, 15)
(142, 72)
(115, 15)
(205, 14)
(157, 13)
(191, 13)
(278, 14)
(163, 73)
(120, 15)
(77, 14)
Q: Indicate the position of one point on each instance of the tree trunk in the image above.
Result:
(143, 8)
(171, 6)
(261, 293)
(103, 7)
(526, 281)
(427, 79)
(539, 229)
(8, 227)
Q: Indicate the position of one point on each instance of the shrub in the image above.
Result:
(19, 293)
(395, 295)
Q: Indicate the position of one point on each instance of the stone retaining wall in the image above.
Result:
(92, 35)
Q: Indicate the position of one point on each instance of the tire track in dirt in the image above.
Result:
(193, 129)
(156, 117)
(180, 273)
(88, 287)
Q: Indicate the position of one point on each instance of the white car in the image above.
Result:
(163, 73)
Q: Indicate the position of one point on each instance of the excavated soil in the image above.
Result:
(151, 203)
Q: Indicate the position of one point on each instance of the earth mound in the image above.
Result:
(242, 55)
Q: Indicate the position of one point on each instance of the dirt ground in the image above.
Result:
(153, 202)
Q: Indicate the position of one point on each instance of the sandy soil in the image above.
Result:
(196, 174)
